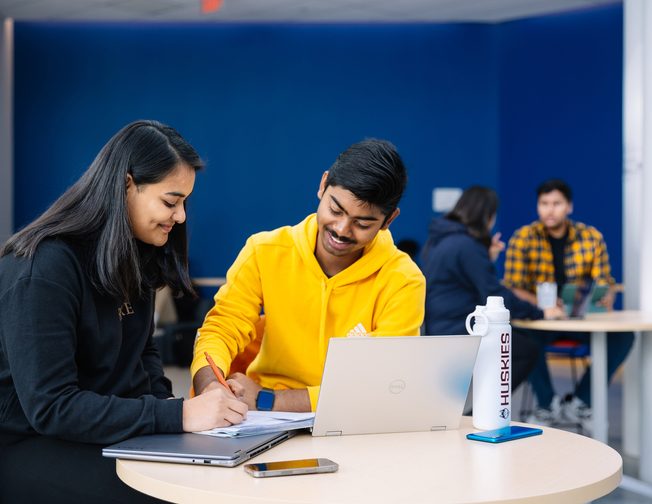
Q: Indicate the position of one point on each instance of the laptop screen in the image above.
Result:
(581, 298)
(394, 384)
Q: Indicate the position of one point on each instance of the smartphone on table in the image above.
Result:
(291, 467)
(505, 434)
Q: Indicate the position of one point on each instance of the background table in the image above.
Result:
(598, 324)
(556, 467)
(209, 281)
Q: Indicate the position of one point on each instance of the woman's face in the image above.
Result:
(155, 208)
(491, 223)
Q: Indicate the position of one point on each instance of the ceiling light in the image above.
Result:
(208, 6)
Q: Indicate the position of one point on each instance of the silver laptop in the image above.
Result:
(195, 448)
(394, 384)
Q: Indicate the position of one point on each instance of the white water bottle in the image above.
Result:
(492, 380)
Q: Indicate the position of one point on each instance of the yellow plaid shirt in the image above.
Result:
(528, 260)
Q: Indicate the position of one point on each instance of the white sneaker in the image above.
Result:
(546, 416)
(576, 411)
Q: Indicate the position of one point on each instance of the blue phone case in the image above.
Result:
(505, 434)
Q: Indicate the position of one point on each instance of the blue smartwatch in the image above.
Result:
(265, 399)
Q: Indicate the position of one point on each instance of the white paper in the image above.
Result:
(264, 422)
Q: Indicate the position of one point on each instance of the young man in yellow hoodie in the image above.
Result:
(335, 274)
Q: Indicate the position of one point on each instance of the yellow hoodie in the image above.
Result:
(277, 272)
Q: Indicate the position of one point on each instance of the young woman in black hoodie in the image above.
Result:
(458, 263)
(78, 366)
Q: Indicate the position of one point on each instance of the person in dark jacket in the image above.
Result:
(78, 365)
(458, 263)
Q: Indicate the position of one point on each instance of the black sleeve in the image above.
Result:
(161, 386)
(41, 348)
(479, 273)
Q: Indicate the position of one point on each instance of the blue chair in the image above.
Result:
(573, 350)
(566, 348)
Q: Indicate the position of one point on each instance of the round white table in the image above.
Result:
(598, 324)
(555, 467)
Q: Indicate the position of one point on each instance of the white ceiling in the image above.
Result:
(292, 10)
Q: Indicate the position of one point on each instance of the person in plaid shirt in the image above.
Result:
(557, 249)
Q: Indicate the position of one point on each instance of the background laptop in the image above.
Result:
(194, 448)
(580, 299)
(394, 384)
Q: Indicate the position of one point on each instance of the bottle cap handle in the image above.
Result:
(479, 328)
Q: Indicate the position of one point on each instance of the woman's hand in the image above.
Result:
(496, 247)
(212, 408)
(554, 313)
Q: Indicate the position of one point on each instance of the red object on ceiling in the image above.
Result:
(208, 6)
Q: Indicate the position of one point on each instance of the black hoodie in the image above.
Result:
(460, 275)
(75, 364)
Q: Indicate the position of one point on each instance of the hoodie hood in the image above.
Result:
(441, 228)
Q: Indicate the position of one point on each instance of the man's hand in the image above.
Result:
(244, 389)
(205, 380)
(247, 390)
(608, 299)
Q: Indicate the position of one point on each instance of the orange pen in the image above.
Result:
(216, 372)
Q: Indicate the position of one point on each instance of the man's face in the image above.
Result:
(346, 224)
(553, 209)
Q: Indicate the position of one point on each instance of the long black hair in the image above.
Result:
(475, 209)
(93, 212)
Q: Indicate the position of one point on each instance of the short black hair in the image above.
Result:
(555, 185)
(373, 171)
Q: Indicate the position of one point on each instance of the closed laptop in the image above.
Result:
(194, 448)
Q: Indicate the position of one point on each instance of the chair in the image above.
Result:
(176, 339)
(567, 348)
(573, 350)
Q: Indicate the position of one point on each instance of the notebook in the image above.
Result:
(195, 448)
(394, 384)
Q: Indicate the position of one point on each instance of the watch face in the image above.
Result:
(265, 400)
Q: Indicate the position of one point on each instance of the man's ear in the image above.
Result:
(389, 220)
(129, 181)
(322, 185)
(570, 210)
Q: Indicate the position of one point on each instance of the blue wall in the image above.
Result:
(561, 116)
(270, 106)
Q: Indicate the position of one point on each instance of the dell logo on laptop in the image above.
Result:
(397, 386)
